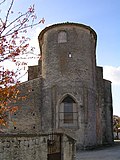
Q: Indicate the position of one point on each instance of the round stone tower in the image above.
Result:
(69, 80)
(68, 51)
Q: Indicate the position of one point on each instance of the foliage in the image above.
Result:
(116, 125)
(13, 45)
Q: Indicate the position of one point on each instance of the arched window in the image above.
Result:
(62, 37)
(68, 112)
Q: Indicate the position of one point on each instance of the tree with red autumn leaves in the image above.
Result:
(13, 45)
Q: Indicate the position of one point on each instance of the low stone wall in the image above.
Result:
(23, 147)
(36, 147)
(69, 148)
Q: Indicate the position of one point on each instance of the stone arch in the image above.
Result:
(67, 112)
(66, 95)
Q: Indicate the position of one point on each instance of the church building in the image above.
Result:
(66, 92)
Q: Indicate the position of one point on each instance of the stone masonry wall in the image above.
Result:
(35, 147)
(69, 149)
(69, 68)
(56, 63)
(35, 71)
(104, 109)
(99, 105)
(16, 147)
(108, 112)
(27, 119)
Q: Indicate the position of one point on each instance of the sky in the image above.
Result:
(101, 15)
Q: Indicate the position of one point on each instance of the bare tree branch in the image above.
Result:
(2, 2)
(8, 12)
(13, 46)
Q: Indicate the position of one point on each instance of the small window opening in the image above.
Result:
(33, 114)
(62, 37)
(69, 55)
(33, 127)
